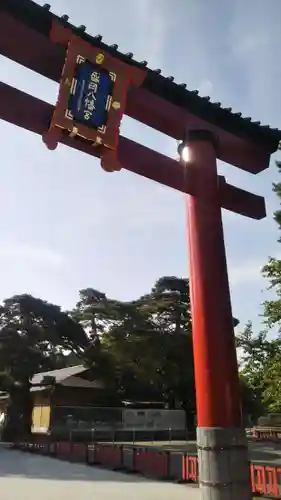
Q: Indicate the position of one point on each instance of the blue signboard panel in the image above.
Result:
(91, 95)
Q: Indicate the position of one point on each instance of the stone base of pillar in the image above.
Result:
(223, 464)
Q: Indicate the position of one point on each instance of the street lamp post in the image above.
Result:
(222, 445)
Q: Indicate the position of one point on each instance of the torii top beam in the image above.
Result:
(158, 102)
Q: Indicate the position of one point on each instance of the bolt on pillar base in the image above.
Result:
(224, 472)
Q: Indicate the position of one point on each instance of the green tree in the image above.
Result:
(34, 336)
(272, 271)
(272, 379)
(252, 405)
(253, 354)
(261, 371)
(144, 349)
(98, 315)
(272, 316)
(168, 309)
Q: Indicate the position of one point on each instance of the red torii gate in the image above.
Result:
(89, 121)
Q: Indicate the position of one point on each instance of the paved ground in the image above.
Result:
(260, 452)
(24, 476)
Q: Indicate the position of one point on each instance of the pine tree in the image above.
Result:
(272, 271)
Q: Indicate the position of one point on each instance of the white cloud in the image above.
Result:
(246, 273)
(153, 29)
(250, 44)
(254, 40)
(25, 254)
(205, 87)
(139, 26)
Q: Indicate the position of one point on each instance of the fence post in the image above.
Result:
(93, 434)
(168, 455)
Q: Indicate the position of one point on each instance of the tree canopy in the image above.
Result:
(261, 352)
(272, 271)
(34, 336)
(140, 349)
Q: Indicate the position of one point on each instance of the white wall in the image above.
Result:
(154, 419)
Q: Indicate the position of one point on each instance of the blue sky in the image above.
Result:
(68, 225)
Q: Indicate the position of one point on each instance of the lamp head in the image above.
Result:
(183, 152)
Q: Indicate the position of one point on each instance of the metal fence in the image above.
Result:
(150, 462)
(116, 424)
(115, 436)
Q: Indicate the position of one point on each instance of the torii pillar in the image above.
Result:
(222, 445)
